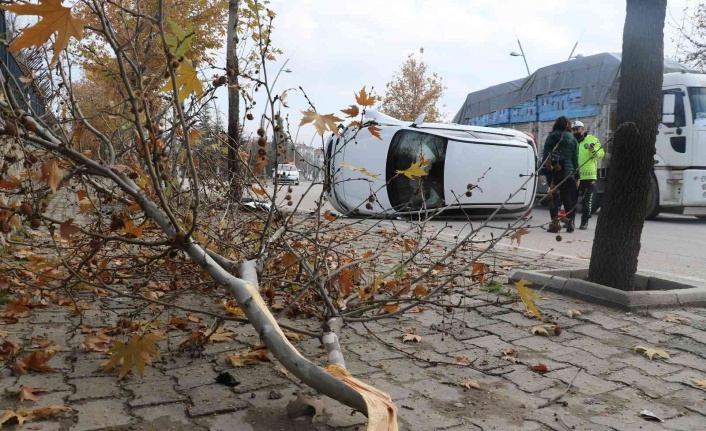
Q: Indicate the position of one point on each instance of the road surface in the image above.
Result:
(672, 246)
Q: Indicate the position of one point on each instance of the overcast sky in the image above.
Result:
(337, 47)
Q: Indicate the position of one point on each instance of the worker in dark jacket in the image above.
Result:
(561, 156)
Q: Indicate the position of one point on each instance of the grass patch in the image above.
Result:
(494, 287)
(4, 298)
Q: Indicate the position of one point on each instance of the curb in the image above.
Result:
(655, 292)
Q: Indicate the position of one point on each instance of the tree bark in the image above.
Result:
(234, 165)
(616, 245)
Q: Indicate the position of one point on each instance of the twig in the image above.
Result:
(556, 398)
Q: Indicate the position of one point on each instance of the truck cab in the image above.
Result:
(679, 182)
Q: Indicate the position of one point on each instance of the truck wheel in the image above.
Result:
(596, 204)
(653, 208)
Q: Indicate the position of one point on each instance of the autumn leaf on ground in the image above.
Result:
(55, 18)
(98, 342)
(10, 183)
(517, 236)
(328, 215)
(391, 308)
(677, 319)
(470, 384)
(42, 342)
(363, 99)
(651, 353)
(375, 131)
(178, 323)
(527, 296)
(137, 353)
(481, 269)
(250, 357)
(539, 368)
(28, 394)
(416, 170)
(509, 354)
(411, 335)
(540, 330)
(461, 360)
(420, 291)
(9, 415)
(353, 111)
(361, 170)
(36, 361)
(701, 384)
(187, 80)
(67, 229)
(233, 308)
(572, 313)
(8, 349)
(219, 336)
(321, 122)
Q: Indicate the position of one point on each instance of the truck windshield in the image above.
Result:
(697, 98)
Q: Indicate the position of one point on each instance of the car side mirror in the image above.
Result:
(669, 103)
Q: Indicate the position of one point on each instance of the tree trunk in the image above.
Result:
(616, 245)
(234, 165)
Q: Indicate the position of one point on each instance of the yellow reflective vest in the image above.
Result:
(588, 165)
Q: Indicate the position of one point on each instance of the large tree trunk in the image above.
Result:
(617, 242)
(234, 165)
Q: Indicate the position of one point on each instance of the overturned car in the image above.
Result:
(468, 171)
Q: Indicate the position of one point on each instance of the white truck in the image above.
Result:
(586, 89)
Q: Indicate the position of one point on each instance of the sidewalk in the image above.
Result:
(611, 383)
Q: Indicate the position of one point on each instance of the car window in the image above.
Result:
(408, 147)
(287, 168)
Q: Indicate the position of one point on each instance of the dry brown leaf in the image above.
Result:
(293, 336)
(321, 122)
(375, 131)
(305, 406)
(42, 342)
(677, 319)
(652, 352)
(98, 342)
(539, 368)
(461, 360)
(509, 354)
(250, 357)
(9, 415)
(328, 215)
(28, 394)
(391, 308)
(420, 291)
(539, 330)
(412, 336)
(219, 336)
(233, 308)
(8, 349)
(572, 313)
(137, 352)
(178, 323)
(479, 271)
(517, 236)
(700, 383)
(470, 384)
(36, 361)
(353, 111)
(363, 99)
(67, 229)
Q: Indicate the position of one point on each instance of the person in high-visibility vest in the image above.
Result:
(590, 150)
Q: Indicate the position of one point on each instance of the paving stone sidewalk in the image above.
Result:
(610, 383)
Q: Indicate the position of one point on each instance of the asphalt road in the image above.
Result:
(672, 246)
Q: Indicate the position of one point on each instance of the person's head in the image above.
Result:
(562, 123)
(578, 129)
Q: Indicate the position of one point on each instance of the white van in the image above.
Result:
(471, 171)
(286, 173)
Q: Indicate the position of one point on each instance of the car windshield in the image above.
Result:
(697, 98)
(287, 168)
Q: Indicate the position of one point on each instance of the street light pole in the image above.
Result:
(524, 58)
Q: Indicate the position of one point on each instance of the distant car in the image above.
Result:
(286, 173)
(470, 171)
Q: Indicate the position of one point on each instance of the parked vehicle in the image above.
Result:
(586, 89)
(286, 173)
(471, 171)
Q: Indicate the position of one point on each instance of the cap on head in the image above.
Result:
(577, 124)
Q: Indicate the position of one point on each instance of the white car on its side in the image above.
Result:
(470, 171)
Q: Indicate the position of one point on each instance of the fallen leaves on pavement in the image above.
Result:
(677, 319)
(509, 355)
(699, 383)
(98, 342)
(20, 416)
(29, 394)
(250, 357)
(411, 336)
(470, 384)
(305, 406)
(137, 352)
(573, 313)
(539, 368)
(36, 361)
(528, 296)
(651, 352)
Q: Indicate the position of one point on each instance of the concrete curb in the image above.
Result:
(655, 292)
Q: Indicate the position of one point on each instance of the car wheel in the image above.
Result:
(297, 183)
(653, 208)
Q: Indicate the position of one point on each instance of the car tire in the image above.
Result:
(297, 183)
(653, 208)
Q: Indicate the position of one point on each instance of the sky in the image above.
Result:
(337, 47)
